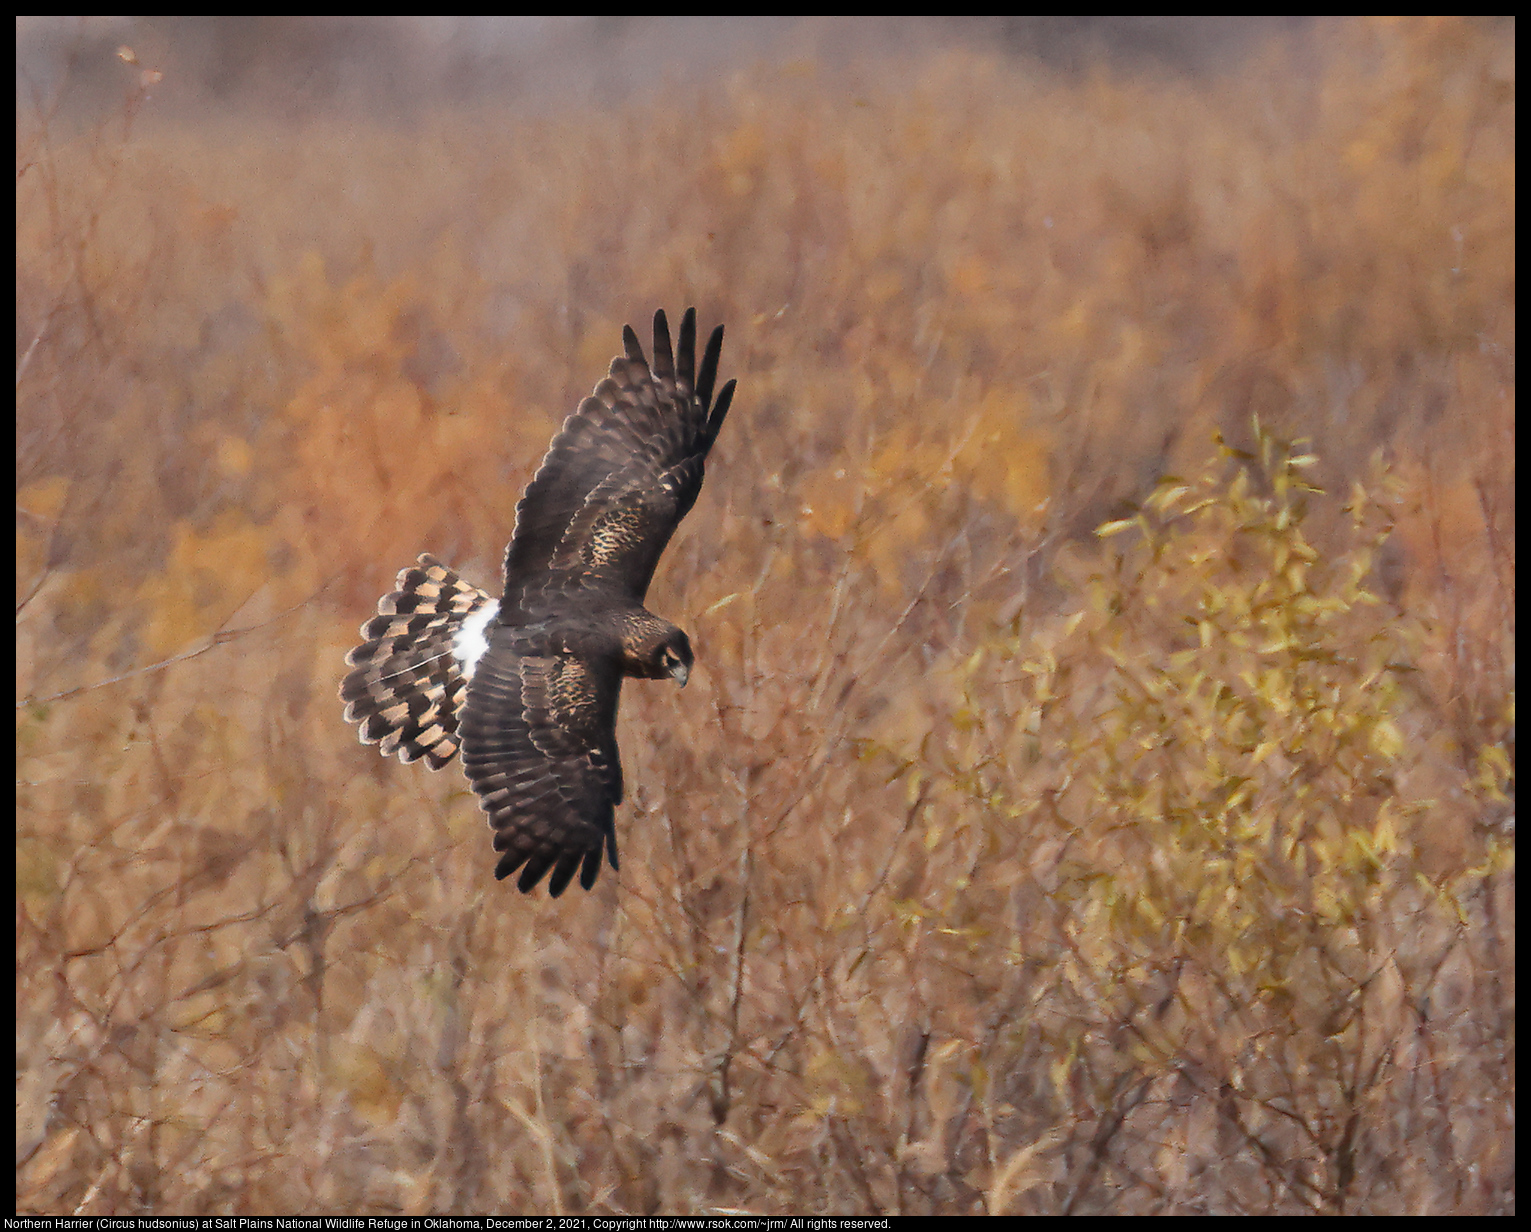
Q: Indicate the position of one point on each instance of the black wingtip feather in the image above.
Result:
(685, 354)
(564, 873)
(664, 359)
(720, 411)
(632, 346)
(590, 868)
(708, 376)
(533, 872)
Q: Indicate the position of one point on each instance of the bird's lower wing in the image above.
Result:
(539, 747)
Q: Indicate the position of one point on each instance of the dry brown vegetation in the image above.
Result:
(987, 864)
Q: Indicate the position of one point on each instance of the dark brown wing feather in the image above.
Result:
(620, 475)
(539, 746)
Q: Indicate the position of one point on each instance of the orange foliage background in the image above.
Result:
(975, 309)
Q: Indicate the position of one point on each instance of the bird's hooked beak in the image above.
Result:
(679, 671)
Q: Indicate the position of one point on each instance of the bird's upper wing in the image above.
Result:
(539, 746)
(622, 472)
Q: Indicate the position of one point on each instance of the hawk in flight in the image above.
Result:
(527, 685)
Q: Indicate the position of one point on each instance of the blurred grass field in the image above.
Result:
(988, 864)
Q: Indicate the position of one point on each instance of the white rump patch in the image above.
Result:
(471, 640)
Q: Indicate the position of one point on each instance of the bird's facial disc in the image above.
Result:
(676, 660)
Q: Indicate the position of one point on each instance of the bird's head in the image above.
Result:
(654, 648)
(675, 658)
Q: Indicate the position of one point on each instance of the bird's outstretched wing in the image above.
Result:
(540, 748)
(408, 685)
(622, 472)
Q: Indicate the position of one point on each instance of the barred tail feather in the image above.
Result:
(411, 675)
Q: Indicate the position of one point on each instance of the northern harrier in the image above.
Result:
(528, 685)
